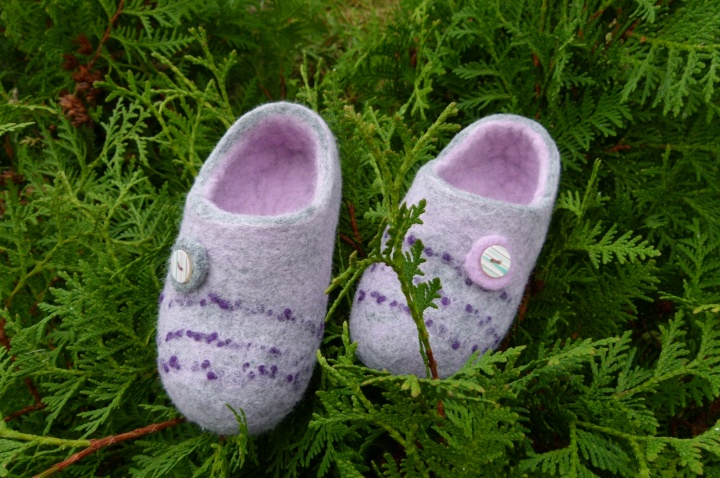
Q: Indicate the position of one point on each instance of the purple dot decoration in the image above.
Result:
(174, 363)
(212, 375)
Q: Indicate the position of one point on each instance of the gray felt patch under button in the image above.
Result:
(188, 265)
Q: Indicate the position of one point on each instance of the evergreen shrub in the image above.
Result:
(109, 107)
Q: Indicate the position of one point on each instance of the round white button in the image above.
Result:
(495, 261)
(181, 266)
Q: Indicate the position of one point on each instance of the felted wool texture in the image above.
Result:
(495, 183)
(247, 335)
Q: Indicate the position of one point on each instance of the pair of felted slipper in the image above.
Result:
(243, 307)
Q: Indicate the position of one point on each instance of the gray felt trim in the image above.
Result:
(200, 264)
(552, 175)
(326, 163)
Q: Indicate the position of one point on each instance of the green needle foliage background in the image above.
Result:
(612, 368)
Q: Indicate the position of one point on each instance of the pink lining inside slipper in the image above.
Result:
(271, 171)
(500, 160)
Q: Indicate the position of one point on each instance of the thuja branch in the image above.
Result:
(423, 335)
(38, 405)
(90, 446)
(356, 241)
(41, 440)
(692, 368)
(636, 440)
(4, 339)
(406, 266)
(95, 445)
(28, 409)
(412, 156)
(357, 391)
(368, 130)
(106, 35)
(38, 268)
(418, 319)
(674, 45)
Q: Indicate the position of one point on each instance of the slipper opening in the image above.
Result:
(271, 171)
(501, 160)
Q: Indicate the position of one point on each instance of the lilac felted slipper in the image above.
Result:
(490, 195)
(242, 312)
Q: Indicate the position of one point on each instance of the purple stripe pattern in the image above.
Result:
(316, 328)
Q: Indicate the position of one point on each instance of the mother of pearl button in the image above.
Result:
(495, 261)
(181, 266)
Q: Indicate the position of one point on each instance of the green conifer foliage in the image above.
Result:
(109, 107)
